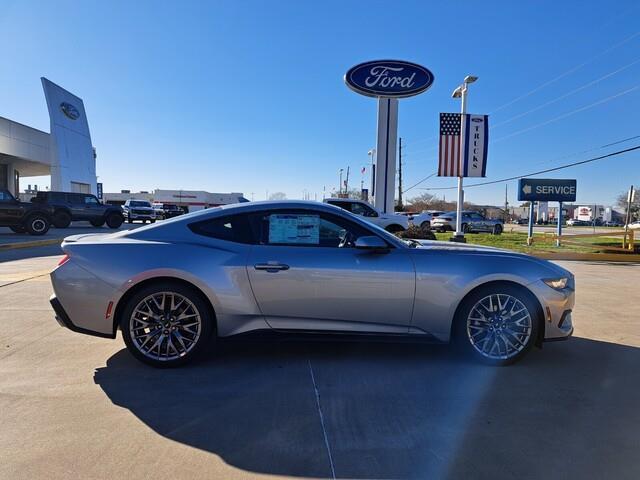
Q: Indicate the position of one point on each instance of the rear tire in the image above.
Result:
(37, 224)
(151, 322)
(497, 229)
(497, 324)
(465, 228)
(425, 225)
(114, 220)
(61, 219)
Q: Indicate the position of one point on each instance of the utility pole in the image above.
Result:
(506, 202)
(630, 199)
(346, 182)
(340, 184)
(400, 175)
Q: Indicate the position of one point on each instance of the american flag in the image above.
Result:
(449, 164)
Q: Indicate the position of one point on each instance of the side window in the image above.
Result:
(90, 200)
(232, 228)
(343, 205)
(364, 210)
(5, 197)
(75, 198)
(306, 229)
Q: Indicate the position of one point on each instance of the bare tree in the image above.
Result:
(634, 208)
(278, 196)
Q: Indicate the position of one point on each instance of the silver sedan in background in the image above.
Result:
(302, 267)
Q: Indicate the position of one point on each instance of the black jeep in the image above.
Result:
(23, 217)
(67, 206)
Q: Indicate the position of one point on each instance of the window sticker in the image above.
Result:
(302, 229)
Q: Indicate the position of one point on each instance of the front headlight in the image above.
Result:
(557, 283)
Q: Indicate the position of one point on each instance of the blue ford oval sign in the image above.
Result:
(388, 78)
(69, 110)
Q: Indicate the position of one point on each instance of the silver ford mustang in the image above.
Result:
(302, 267)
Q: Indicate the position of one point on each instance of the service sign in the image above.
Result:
(546, 190)
(388, 78)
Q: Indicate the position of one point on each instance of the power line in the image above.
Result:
(567, 114)
(568, 94)
(617, 142)
(582, 162)
(545, 84)
(568, 72)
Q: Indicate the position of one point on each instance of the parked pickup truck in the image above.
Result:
(23, 217)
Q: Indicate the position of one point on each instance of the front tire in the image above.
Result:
(497, 324)
(497, 229)
(166, 324)
(426, 225)
(37, 224)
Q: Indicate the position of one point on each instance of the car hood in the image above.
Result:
(436, 245)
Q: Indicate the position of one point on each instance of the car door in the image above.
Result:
(92, 207)
(10, 209)
(303, 278)
(75, 201)
(477, 221)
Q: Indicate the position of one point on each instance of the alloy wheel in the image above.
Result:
(499, 326)
(165, 326)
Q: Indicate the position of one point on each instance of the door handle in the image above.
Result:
(271, 267)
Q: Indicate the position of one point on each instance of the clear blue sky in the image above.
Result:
(249, 96)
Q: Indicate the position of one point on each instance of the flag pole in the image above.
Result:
(461, 92)
(459, 235)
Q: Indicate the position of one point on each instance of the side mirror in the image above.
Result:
(372, 243)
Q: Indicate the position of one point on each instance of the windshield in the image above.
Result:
(138, 203)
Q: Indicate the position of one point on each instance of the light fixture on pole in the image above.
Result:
(461, 93)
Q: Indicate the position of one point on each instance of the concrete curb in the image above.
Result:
(31, 243)
(589, 257)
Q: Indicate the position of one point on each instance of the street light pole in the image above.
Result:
(461, 92)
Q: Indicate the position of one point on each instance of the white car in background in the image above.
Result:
(391, 222)
(635, 225)
(423, 220)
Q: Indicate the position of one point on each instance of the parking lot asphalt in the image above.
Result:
(7, 236)
(73, 406)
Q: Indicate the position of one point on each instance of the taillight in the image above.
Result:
(64, 260)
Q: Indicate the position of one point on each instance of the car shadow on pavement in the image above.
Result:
(396, 410)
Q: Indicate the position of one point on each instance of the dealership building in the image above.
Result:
(190, 200)
(65, 153)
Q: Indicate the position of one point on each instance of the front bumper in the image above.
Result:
(557, 307)
(64, 321)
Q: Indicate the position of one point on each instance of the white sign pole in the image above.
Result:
(385, 172)
(459, 233)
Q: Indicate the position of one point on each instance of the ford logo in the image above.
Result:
(477, 120)
(69, 110)
(388, 78)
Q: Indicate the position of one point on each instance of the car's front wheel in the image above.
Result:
(497, 324)
(497, 229)
(166, 324)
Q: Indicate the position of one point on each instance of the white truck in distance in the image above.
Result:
(391, 222)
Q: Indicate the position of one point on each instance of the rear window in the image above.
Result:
(232, 228)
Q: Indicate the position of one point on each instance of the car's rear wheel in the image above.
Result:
(166, 324)
(114, 220)
(18, 229)
(466, 228)
(61, 219)
(426, 225)
(37, 224)
(497, 324)
(497, 229)
(97, 223)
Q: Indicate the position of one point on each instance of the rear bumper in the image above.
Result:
(64, 320)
